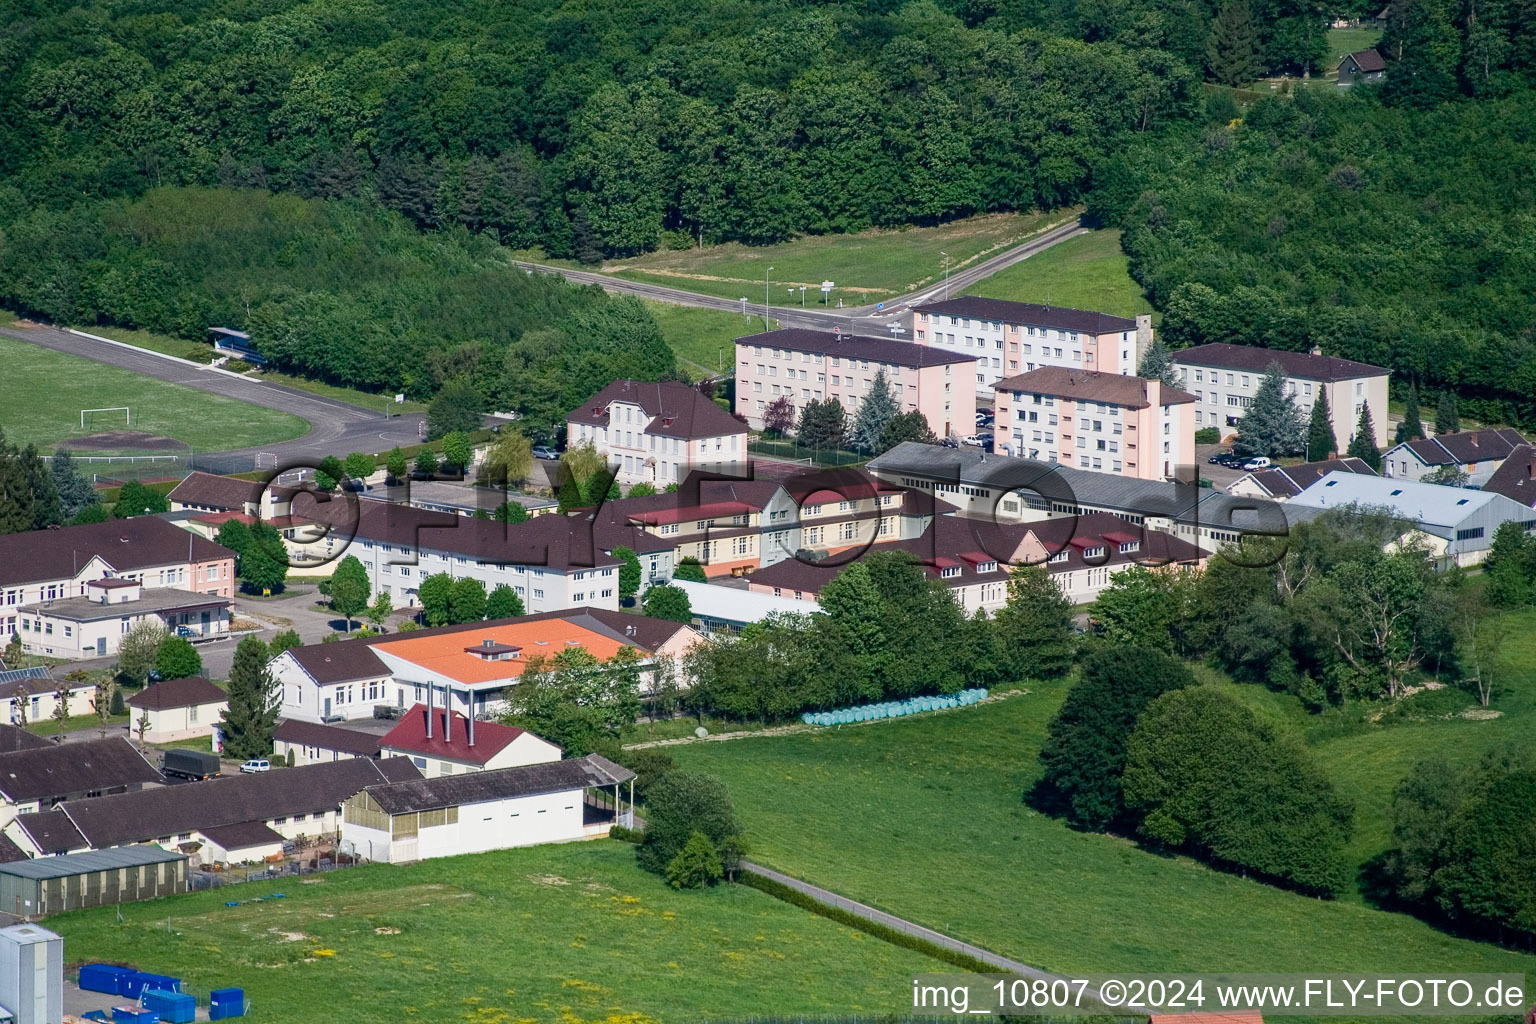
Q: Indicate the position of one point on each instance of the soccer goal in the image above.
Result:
(88, 417)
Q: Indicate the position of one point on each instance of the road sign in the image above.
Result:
(826, 286)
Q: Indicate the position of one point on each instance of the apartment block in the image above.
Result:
(1224, 379)
(1008, 338)
(656, 432)
(803, 365)
(1097, 421)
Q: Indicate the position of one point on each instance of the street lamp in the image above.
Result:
(744, 308)
(946, 273)
(802, 296)
(765, 297)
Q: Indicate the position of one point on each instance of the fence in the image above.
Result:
(792, 451)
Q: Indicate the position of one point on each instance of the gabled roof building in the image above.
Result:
(1477, 453)
(1281, 483)
(656, 432)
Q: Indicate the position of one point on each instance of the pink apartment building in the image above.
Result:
(804, 365)
(1015, 337)
(1098, 421)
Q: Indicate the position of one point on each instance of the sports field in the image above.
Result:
(870, 266)
(1086, 272)
(42, 393)
(924, 817)
(571, 934)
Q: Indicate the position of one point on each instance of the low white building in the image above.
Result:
(1476, 453)
(177, 709)
(32, 695)
(93, 625)
(657, 432)
(311, 742)
(718, 608)
(492, 810)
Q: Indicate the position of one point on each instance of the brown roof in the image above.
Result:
(207, 490)
(1366, 60)
(1516, 479)
(190, 691)
(1289, 481)
(242, 835)
(852, 346)
(196, 806)
(1090, 386)
(327, 737)
(10, 852)
(1465, 448)
(52, 832)
(1061, 318)
(126, 545)
(1295, 364)
(676, 410)
(14, 738)
(410, 734)
(69, 769)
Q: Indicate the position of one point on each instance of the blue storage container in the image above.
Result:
(133, 1015)
(101, 977)
(172, 1007)
(224, 1003)
(135, 982)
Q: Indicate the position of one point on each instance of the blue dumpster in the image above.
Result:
(102, 978)
(226, 1002)
(171, 1007)
(133, 983)
(133, 1015)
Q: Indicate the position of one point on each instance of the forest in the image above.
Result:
(343, 176)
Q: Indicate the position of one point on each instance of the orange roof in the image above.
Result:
(445, 654)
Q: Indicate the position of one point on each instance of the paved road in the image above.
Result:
(866, 318)
(335, 427)
(832, 899)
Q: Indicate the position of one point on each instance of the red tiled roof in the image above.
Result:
(1091, 386)
(410, 735)
(673, 515)
(124, 544)
(1516, 478)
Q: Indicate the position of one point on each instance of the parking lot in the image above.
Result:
(1221, 477)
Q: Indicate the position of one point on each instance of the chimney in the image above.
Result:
(447, 714)
(471, 718)
(1316, 351)
(429, 711)
(629, 630)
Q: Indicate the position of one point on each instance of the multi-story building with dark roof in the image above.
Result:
(62, 563)
(1007, 338)
(1224, 379)
(801, 366)
(656, 432)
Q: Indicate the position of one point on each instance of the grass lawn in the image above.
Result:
(1347, 40)
(704, 340)
(74, 723)
(43, 391)
(1086, 272)
(870, 266)
(924, 818)
(569, 934)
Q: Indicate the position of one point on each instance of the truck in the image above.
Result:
(190, 764)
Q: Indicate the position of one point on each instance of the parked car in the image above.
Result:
(256, 765)
(948, 442)
(973, 440)
(545, 452)
(1262, 462)
(983, 418)
(1217, 457)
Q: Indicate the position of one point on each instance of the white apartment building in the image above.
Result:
(1008, 338)
(1224, 379)
(803, 366)
(656, 432)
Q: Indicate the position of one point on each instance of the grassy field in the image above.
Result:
(870, 266)
(1086, 272)
(566, 934)
(704, 340)
(924, 817)
(43, 391)
(1347, 40)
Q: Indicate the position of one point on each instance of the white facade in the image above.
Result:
(658, 459)
(471, 828)
(307, 700)
(525, 749)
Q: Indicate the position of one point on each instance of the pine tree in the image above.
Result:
(1232, 53)
(16, 508)
(1411, 429)
(1447, 419)
(1363, 445)
(821, 424)
(1320, 440)
(874, 413)
(46, 509)
(1272, 425)
(253, 703)
(1157, 364)
(75, 491)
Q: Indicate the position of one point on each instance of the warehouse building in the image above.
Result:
(52, 885)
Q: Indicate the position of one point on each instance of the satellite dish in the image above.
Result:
(701, 732)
